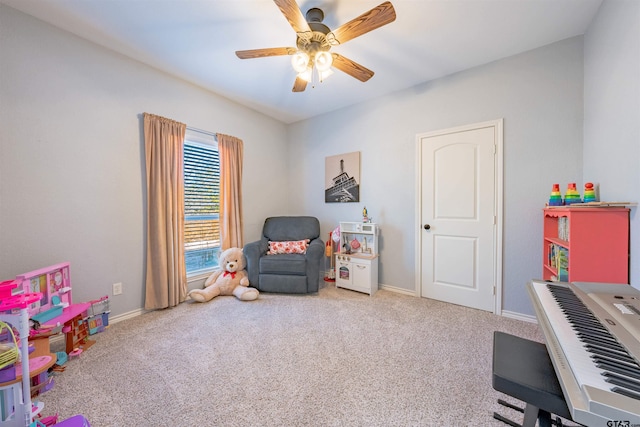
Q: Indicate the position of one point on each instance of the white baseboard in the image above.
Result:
(520, 316)
(128, 315)
(115, 319)
(397, 290)
(505, 313)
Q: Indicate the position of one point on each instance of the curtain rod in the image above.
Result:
(215, 135)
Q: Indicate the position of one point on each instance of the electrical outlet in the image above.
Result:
(117, 288)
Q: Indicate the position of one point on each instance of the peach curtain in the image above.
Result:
(166, 279)
(231, 152)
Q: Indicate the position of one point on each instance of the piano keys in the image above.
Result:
(592, 331)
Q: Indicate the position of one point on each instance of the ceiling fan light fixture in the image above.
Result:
(300, 61)
(306, 75)
(323, 61)
(310, 58)
(324, 74)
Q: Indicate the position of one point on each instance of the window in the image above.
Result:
(201, 202)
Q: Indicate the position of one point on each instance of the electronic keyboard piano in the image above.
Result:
(592, 332)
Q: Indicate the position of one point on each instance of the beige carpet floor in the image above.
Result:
(335, 358)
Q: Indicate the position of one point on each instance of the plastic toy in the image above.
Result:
(346, 246)
(355, 244)
(61, 358)
(16, 398)
(330, 273)
(54, 284)
(556, 198)
(18, 395)
(9, 353)
(589, 193)
(8, 301)
(76, 352)
(572, 195)
(98, 313)
(75, 421)
(48, 421)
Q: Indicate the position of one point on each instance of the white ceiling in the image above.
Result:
(196, 40)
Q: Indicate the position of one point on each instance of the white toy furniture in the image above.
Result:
(357, 258)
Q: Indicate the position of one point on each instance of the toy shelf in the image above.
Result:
(357, 260)
(586, 244)
(75, 326)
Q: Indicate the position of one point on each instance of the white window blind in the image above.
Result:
(201, 202)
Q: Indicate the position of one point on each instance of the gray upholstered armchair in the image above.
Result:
(290, 272)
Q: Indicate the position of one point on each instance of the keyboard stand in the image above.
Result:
(522, 369)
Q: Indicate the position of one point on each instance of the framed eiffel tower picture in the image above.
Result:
(342, 178)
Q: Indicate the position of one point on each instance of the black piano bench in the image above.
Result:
(522, 369)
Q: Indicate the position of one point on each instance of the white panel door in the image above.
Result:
(458, 216)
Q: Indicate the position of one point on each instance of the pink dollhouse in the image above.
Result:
(54, 283)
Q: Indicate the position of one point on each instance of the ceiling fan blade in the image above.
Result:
(292, 12)
(375, 18)
(300, 85)
(352, 68)
(261, 53)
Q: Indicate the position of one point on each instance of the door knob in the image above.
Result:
(427, 226)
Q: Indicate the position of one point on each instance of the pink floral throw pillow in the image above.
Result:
(289, 247)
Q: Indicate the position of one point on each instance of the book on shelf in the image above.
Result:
(563, 275)
(562, 263)
(563, 228)
(558, 257)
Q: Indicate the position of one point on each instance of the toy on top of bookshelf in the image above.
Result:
(556, 198)
(589, 193)
(572, 198)
(54, 283)
(572, 195)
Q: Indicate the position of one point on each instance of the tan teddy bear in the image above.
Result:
(230, 279)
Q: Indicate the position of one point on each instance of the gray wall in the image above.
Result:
(72, 159)
(539, 95)
(612, 110)
(72, 162)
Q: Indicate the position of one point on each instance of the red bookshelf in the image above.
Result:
(594, 241)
